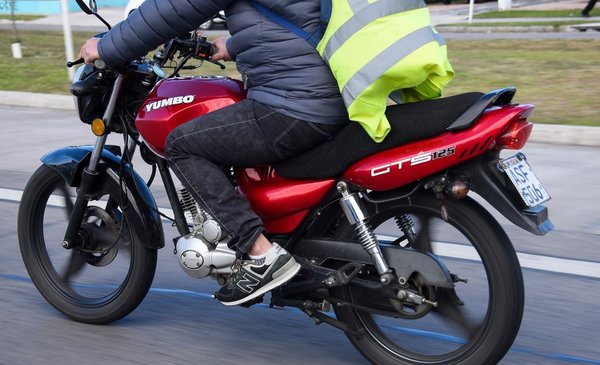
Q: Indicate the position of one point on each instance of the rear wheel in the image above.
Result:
(474, 323)
(106, 277)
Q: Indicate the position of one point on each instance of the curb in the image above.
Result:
(542, 133)
(27, 99)
(504, 29)
(566, 135)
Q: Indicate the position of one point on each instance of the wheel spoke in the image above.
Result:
(478, 330)
(423, 242)
(124, 239)
(76, 263)
(451, 308)
(87, 294)
(67, 198)
(124, 245)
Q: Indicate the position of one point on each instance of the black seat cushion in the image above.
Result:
(409, 122)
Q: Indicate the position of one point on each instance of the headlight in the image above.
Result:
(88, 88)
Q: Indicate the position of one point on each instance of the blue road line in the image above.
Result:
(411, 331)
(519, 349)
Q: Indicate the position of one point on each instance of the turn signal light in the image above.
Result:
(458, 189)
(98, 127)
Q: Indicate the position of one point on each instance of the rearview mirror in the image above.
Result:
(90, 8)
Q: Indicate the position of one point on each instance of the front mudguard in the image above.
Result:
(69, 162)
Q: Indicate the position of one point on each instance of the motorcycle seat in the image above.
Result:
(409, 122)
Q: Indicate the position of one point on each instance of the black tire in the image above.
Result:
(479, 332)
(120, 267)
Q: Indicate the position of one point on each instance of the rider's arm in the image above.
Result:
(155, 22)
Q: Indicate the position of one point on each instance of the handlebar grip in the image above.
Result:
(71, 64)
(100, 64)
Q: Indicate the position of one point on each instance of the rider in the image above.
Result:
(293, 105)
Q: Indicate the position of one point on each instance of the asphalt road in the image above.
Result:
(178, 323)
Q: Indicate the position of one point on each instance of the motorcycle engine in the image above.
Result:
(203, 252)
(199, 258)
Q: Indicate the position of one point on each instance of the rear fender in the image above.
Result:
(69, 162)
(486, 179)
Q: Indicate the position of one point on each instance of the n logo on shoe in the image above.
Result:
(247, 283)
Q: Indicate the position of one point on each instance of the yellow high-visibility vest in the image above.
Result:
(376, 47)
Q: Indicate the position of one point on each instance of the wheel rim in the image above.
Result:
(94, 275)
(434, 338)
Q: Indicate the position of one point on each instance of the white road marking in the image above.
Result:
(57, 201)
(530, 261)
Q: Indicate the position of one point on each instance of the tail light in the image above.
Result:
(517, 133)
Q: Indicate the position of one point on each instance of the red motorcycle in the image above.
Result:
(415, 270)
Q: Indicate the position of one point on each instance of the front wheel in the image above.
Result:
(106, 277)
(474, 323)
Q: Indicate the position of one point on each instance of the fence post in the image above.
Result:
(16, 43)
(504, 5)
(68, 36)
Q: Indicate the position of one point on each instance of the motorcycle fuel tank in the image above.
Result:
(178, 100)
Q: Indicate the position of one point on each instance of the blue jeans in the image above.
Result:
(244, 134)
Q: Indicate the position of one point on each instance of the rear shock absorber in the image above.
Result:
(356, 216)
(406, 224)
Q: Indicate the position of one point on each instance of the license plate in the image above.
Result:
(523, 178)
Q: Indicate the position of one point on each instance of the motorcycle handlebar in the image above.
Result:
(99, 64)
(196, 47)
(71, 64)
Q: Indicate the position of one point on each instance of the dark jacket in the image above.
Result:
(286, 72)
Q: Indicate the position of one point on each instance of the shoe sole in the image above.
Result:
(270, 286)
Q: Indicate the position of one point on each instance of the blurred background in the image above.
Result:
(544, 48)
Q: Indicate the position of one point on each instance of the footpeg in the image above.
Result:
(323, 306)
(343, 275)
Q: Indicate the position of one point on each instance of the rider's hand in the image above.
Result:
(221, 53)
(89, 50)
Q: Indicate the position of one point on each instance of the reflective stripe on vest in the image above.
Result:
(376, 47)
(377, 10)
(386, 59)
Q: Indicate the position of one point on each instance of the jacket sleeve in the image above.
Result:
(153, 23)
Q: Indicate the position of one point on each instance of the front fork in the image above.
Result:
(90, 173)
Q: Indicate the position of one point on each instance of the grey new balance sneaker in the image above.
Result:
(252, 279)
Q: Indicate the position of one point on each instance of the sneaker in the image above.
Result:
(585, 15)
(251, 279)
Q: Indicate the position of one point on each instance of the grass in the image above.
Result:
(42, 68)
(21, 17)
(561, 77)
(565, 13)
